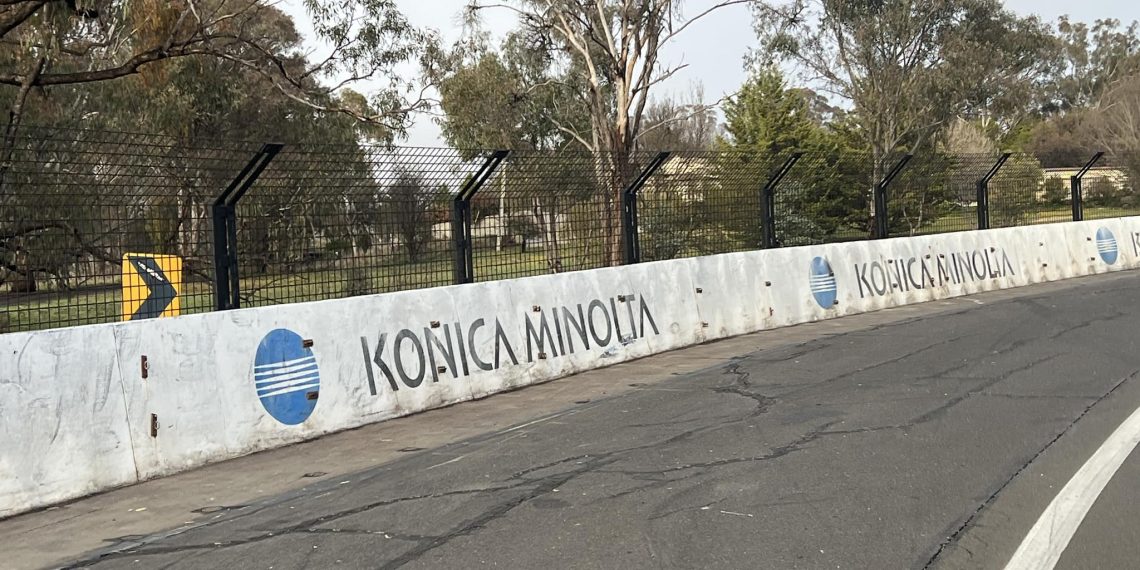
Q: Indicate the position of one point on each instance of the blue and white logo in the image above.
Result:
(1106, 245)
(286, 376)
(823, 286)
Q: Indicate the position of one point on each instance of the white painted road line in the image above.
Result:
(1049, 537)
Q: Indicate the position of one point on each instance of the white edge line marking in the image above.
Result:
(538, 421)
(547, 418)
(1050, 535)
(445, 463)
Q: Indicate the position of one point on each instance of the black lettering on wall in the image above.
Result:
(598, 340)
(447, 351)
(614, 314)
(1007, 265)
(501, 341)
(539, 337)
(462, 346)
(880, 284)
(910, 263)
(368, 366)
(861, 278)
(578, 325)
(978, 264)
(478, 324)
(378, 359)
(926, 277)
(409, 380)
(963, 261)
(943, 275)
(629, 309)
(558, 330)
(1136, 244)
(645, 314)
(991, 271)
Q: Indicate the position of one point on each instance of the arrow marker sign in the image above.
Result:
(161, 293)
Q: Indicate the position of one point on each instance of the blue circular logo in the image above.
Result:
(286, 376)
(1106, 245)
(822, 280)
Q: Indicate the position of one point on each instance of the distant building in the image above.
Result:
(1097, 180)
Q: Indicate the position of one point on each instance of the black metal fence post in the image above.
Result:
(461, 217)
(631, 240)
(1075, 186)
(227, 288)
(984, 192)
(768, 202)
(882, 227)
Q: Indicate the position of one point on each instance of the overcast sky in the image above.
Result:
(713, 48)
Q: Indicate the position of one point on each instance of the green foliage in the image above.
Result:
(824, 193)
(798, 229)
(907, 66)
(1089, 60)
(921, 194)
(768, 118)
(161, 186)
(1016, 194)
(668, 228)
(1104, 191)
(506, 98)
(203, 57)
(1056, 191)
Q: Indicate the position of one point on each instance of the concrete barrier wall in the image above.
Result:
(77, 416)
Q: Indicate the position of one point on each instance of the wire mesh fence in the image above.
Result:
(74, 203)
(824, 198)
(1111, 188)
(334, 221)
(702, 203)
(550, 212)
(936, 193)
(101, 226)
(1021, 194)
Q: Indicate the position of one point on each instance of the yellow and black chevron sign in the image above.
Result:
(151, 286)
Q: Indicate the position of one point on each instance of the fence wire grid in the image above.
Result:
(330, 221)
(335, 221)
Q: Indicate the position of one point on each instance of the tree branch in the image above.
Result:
(11, 18)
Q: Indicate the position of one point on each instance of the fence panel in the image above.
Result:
(327, 221)
(1112, 189)
(937, 193)
(335, 221)
(74, 202)
(703, 203)
(825, 198)
(1017, 195)
(551, 212)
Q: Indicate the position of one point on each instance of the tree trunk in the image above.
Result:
(878, 170)
(15, 115)
(550, 247)
(613, 181)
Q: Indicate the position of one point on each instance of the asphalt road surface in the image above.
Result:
(934, 438)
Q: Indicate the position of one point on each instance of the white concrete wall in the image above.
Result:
(75, 412)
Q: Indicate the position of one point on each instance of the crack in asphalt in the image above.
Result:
(739, 387)
(303, 526)
(545, 486)
(525, 485)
